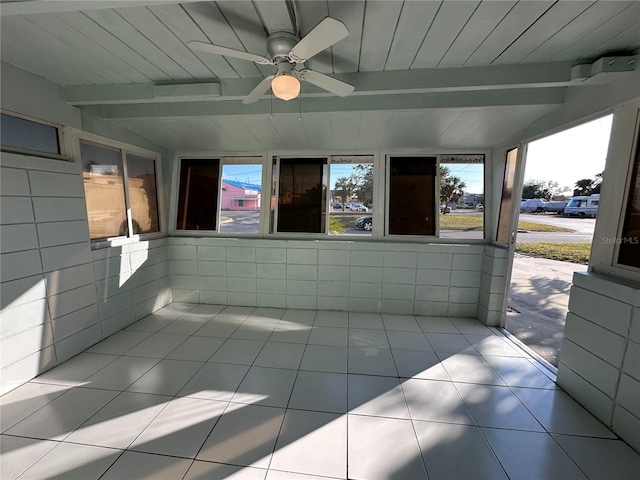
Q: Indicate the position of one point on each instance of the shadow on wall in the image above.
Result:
(84, 296)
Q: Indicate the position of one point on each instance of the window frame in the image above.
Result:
(380, 200)
(485, 192)
(63, 155)
(223, 160)
(76, 136)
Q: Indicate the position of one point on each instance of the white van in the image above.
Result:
(583, 206)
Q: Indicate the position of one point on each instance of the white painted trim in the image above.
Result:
(611, 212)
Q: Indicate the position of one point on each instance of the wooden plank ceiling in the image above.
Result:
(106, 45)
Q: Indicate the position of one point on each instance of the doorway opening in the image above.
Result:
(558, 212)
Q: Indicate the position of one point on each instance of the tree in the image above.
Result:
(584, 187)
(588, 186)
(451, 187)
(362, 180)
(344, 189)
(545, 190)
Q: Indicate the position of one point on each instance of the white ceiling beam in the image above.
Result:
(28, 7)
(275, 15)
(394, 102)
(366, 84)
(139, 93)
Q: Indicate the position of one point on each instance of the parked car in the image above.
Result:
(357, 207)
(444, 208)
(364, 223)
(480, 207)
(336, 205)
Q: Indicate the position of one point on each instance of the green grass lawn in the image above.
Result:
(473, 221)
(452, 221)
(564, 252)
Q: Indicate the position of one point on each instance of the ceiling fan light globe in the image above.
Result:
(285, 86)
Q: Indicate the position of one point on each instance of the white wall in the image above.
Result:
(600, 361)
(390, 277)
(57, 295)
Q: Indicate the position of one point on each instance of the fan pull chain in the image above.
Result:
(300, 111)
(271, 103)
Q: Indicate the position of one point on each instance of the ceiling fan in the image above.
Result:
(285, 51)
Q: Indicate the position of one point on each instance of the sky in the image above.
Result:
(571, 155)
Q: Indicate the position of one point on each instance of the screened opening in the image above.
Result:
(462, 196)
(351, 196)
(241, 195)
(412, 207)
(198, 194)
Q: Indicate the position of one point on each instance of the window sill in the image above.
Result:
(121, 241)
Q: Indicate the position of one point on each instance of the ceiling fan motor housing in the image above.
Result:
(279, 45)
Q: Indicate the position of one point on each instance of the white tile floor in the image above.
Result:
(203, 391)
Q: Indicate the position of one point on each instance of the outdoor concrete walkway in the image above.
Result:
(538, 302)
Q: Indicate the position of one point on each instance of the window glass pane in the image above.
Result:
(412, 207)
(104, 191)
(241, 195)
(198, 195)
(351, 202)
(301, 195)
(141, 173)
(629, 253)
(504, 219)
(19, 132)
(462, 196)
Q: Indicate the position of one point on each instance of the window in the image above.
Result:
(110, 194)
(220, 194)
(461, 196)
(412, 192)
(241, 195)
(301, 195)
(143, 198)
(22, 134)
(198, 195)
(351, 195)
(629, 241)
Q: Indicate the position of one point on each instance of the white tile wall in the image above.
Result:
(58, 296)
(377, 277)
(600, 360)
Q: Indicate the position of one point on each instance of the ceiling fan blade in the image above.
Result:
(330, 84)
(257, 93)
(323, 35)
(228, 52)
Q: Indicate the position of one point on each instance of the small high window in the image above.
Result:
(25, 135)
